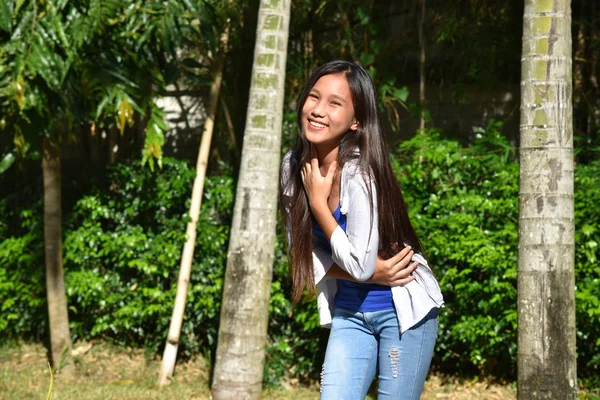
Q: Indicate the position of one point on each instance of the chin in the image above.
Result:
(314, 139)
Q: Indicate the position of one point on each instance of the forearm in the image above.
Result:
(395, 271)
(324, 218)
(336, 272)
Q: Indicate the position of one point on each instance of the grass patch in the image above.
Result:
(103, 372)
(107, 372)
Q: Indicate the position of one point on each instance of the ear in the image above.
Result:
(354, 125)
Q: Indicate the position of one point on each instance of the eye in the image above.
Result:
(313, 96)
(336, 103)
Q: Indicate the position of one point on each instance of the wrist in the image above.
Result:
(374, 279)
(319, 207)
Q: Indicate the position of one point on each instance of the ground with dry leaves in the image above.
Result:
(107, 372)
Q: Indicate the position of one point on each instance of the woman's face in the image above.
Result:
(328, 112)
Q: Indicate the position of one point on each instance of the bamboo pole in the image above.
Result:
(170, 353)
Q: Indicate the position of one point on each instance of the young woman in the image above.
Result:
(343, 208)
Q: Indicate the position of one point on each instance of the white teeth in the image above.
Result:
(316, 124)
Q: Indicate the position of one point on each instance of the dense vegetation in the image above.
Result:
(124, 235)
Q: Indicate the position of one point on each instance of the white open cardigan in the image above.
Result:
(355, 251)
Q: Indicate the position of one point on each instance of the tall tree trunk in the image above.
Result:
(546, 304)
(60, 337)
(170, 352)
(244, 313)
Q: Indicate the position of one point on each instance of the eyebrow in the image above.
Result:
(340, 98)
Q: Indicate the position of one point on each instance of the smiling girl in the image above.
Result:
(344, 208)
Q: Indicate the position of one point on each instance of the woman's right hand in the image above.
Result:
(395, 271)
(317, 186)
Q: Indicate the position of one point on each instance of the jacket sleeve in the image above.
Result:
(355, 250)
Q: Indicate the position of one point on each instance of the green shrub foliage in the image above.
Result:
(587, 269)
(123, 242)
(122, 252)
(464, 204)
(22, 282)
(122, 246)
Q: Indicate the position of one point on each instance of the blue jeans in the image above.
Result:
(362, 343)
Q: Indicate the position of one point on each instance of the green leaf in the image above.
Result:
(5, 15)
(402, 93)
(6, 162)
(59, 31)
(124, 115)
(18, 5)
(588, 230)
(366, 59)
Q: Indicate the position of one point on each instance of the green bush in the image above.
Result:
(122, 246)
(22, 283)
(587, 270)
(122, 250)
(464, 204)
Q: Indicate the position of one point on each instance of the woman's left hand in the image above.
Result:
(395, 271)
(317, 186)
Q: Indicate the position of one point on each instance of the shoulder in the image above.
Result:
(356, 183)
(353, 175)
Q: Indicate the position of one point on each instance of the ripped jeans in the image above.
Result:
(362, 343)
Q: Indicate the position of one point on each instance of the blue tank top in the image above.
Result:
(363, 297)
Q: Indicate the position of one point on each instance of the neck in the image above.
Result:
(326, 155)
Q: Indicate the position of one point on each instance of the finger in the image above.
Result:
(402, 264)
(401, 255)
(314, 164)
(303, 175)
(404, 272)
(307, 169)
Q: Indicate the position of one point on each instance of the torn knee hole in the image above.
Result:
(394, 355)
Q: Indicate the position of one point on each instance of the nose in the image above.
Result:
(317, 110)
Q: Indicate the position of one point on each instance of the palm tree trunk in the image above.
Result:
(244, 312)
(170, 352)
(546, 304)
(60, 337)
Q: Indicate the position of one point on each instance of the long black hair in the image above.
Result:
(372, 157)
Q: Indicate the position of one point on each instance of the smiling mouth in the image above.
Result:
(316, 124)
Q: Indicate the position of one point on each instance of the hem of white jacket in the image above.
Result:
(408, 309)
